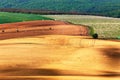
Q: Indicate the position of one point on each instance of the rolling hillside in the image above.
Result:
(59, 57)
(95, 7)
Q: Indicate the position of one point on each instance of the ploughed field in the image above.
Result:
(31, 28)
(54, 50)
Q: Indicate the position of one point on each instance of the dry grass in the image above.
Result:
(106, 27)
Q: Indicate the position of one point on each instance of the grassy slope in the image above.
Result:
(101, 7)
(106, 27)
(18, 17)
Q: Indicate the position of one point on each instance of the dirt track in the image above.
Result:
(47, 27)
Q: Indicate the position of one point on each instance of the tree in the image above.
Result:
(95, 36)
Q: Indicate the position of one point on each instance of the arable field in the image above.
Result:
(41, 27)
(106, 27)
(6, 17)
(59, 57)
(54, 50)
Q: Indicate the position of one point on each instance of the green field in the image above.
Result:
(105, 27)
(6, 17)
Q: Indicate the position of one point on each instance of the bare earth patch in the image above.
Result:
(47, 27)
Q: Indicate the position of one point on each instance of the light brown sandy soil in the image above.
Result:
(58, 57)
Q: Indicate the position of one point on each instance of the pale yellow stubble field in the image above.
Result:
(56, 57)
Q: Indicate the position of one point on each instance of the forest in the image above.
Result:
(109, 8)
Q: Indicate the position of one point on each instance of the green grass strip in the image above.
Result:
(6, 17)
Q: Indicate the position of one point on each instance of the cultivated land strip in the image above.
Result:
(32, 28)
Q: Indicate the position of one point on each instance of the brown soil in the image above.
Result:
(47, 27)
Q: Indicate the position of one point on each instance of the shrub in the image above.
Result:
(95, 36)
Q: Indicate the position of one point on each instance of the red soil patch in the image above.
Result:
(47, 27)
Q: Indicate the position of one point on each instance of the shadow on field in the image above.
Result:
(109, 74)
(20, 71)
(111, 56)
(112, 53)
(29, 72)
(26, 79)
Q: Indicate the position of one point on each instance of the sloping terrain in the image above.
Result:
(54, 50)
